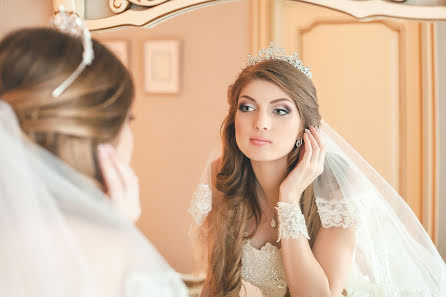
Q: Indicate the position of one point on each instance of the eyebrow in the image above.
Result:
(272, 102)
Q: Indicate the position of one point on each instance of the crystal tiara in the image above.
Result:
(271, 53)
(71, 24)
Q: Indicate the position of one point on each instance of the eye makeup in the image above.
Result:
(244, 107)
(282, 110)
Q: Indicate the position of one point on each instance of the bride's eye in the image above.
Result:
(281, 111)
(245, 108)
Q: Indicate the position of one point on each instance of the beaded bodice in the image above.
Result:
(263, 269)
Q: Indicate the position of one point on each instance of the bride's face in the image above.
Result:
(267, 122)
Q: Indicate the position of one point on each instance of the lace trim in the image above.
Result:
(337, 213)
(291, 221)
(201, 203)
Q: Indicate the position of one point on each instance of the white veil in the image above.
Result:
(61, 237)
(394, 256)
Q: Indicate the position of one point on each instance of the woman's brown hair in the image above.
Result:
(92, 110)
(237, 182)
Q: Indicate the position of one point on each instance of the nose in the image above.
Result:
(262, 121)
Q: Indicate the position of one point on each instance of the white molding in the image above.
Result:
(379, 8)
(361, 9)
(150, 16)
(77, 6)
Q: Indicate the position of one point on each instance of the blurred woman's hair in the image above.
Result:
(92, 110)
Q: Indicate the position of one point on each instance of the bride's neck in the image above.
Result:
(270, 174)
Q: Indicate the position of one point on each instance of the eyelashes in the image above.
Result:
(279, 110)
(245, 107)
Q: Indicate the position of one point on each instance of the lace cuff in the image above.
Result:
(337, 213)
(201, 203)
(291, 221)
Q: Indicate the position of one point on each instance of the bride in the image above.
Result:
(292, 209)
(68, 197)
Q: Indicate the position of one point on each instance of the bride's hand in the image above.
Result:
(121, 183)
(308, 168)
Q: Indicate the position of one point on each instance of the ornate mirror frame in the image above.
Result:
(148, 13)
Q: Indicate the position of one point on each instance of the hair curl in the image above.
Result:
(237, 183)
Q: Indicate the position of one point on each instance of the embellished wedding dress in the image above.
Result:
(393, 256)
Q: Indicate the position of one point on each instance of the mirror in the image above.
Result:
(377, 66)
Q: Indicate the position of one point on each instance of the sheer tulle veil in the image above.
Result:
(394, 255)
(59, 234)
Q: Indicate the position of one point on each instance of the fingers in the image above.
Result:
(108, 164)
(321, 144)
(121, 183)
(308, 150)
(129, 178)
(318, 148)
(314, 147)
(317, 136)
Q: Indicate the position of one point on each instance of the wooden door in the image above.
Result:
(375, 86)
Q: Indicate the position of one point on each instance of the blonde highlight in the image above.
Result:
(33, 62)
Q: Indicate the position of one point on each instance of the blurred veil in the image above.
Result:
(61, 237)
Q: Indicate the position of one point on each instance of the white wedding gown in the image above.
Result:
(393, 256)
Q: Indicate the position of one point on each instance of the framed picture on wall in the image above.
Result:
(162, 66)
(119, 48)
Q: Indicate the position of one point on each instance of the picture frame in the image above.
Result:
(162, 66)
(120, 48)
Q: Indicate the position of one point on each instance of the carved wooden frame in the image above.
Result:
(262, 29)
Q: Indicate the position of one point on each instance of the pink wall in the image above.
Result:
(175, 133)
(24, 13)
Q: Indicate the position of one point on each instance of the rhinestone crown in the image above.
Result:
(271, 53)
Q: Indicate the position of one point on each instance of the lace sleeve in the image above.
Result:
(335, 194)
(201, 203)
(336, 213)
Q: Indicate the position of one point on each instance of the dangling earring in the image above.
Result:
(299, 142)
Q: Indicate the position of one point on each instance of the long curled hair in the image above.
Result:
(237, 182)
(92, 110)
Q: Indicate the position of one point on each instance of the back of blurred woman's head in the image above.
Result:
(92, 110)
